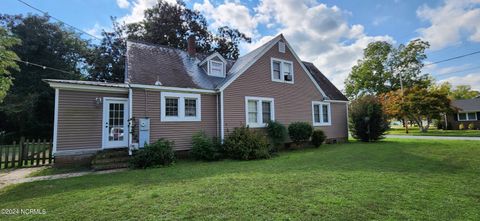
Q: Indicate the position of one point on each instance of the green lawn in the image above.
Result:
(396, 179)
(435, 132)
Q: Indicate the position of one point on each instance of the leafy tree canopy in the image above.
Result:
(421, 105)
(7, 61)
(28, 107)
(164, 24)
(383, 67)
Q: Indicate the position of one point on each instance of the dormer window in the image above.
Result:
(282, 71)
(214, 65)
(215, 68)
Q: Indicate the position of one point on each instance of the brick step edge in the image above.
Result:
(110, 160)
(109, 166)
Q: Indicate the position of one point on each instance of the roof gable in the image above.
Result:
(244, 62)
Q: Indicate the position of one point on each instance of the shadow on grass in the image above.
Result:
(385, 156)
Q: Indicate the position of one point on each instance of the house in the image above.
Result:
(171, 93)
(467, 112)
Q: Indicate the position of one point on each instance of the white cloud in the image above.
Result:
(96, 30)
(452, 22)
(232, 14)
(319, 33)
(123, 3)
(472, 79)
(137, 9)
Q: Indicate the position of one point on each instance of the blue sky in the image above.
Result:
(331, 34)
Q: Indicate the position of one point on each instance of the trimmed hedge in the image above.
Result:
(246, 144)
(318, 137)
(205, 147)
(300, 132)
(159, 153)
(277, 133)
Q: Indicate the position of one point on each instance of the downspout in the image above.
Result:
(218, 123)
(55, 122)
(222, 129)
(130, 113)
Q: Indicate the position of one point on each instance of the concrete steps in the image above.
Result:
(111, 159)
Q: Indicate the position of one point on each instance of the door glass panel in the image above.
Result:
(115, 122)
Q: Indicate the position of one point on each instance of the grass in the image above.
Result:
(435, 132)
(396, 179)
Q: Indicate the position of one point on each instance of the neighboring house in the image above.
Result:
(467, 111)
(170, 93)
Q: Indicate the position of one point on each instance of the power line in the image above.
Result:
(57, 19)
(453, 58)
(455, 72)
(42, 66)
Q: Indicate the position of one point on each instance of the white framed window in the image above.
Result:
(467, 116)
(259, 111)
(282, 70)
(180, 106)
(216, 68)
(321, 113)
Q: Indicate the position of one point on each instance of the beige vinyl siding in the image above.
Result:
(80, 119)
(179, 132)
(293, 102)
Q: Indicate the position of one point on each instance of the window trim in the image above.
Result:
(466, 116)
(259, 101)
(181, 107)
(210, 66)
(282, 80)
(321, 123)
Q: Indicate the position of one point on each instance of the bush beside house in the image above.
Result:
(318, 137)
(277, 134)
(205, 147)
(300, 132)
(246, 144)
(159, 153)
(367, 121)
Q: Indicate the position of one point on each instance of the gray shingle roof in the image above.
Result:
(467, 104)
(330, 90)
(147, 63)
(175, 68)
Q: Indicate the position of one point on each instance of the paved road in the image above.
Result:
(432, 137)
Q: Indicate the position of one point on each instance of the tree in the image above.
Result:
(27, 109)
(421, 105)
(383, 67)
(107, 60)
(367, 121)
(171, 25)
(463, 92)
(7, 61)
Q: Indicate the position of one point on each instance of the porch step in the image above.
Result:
(111, 159)
(109, 166)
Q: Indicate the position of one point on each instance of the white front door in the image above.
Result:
(115, 122)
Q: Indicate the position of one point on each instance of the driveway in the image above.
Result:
(432, 137)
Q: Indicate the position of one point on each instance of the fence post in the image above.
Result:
(32, 151)
(6, 157)
(50, 151)
(14, 151)
(22, 151)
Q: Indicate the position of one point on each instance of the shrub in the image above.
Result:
(300, 131)
(205, 148)
(318, 137)
(461, 126)
(277, 133)
(367, 121)
(159, 153)
(471, 126)
(246, 144)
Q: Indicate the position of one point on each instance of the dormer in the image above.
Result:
(215, 65)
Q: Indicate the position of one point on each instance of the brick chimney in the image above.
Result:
(191, 45)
